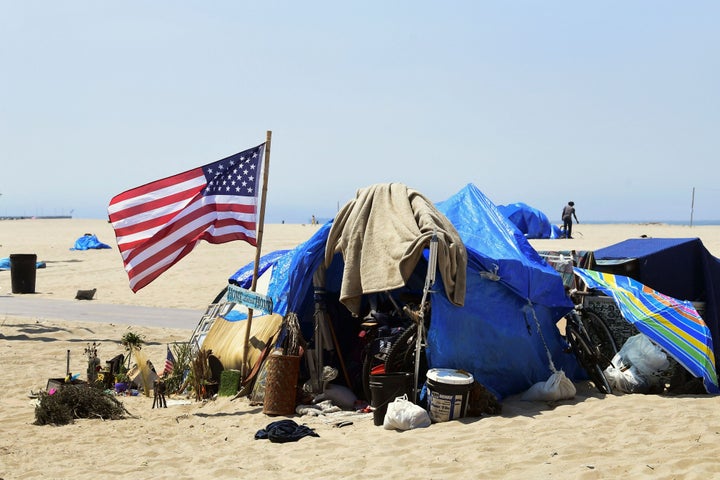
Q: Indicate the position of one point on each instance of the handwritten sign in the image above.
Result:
(253, 300)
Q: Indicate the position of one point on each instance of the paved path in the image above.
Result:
(90, 311)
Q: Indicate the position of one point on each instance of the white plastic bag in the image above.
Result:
(636, 368)
(645, 356)
(625, 378)
(557, 387)
(402, 414)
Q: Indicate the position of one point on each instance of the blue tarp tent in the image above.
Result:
(530, 221)
(679, 267)
(494, 335)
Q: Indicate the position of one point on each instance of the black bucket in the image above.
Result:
(22, 272)
(386, 387)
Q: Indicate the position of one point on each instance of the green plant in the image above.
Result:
(122, 376)
(131, 341)
(183, 357)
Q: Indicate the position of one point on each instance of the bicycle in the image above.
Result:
(379, 331)
(590, 339)
(390, 341)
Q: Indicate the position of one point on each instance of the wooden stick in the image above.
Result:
(258, 243)
(339, 351)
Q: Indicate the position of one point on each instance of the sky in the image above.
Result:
(613, 105)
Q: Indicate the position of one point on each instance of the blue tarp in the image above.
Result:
(5, 264)
(510, 291)
(530, 221)
(89, 241)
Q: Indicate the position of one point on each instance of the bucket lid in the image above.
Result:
(450, 376)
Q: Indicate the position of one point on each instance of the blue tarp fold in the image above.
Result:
(530, 221)
(89, 241)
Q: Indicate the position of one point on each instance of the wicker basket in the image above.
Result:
(281, 384)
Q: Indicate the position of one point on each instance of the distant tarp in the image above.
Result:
(530, 221)
(89, 241)
(673, 324)
(5, 264)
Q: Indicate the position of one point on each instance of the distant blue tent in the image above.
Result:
(530, 221)
(503, 332)
(89, 241)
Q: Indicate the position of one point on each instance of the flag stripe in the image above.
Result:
(151, 214)
(191, 226)
(157, 224)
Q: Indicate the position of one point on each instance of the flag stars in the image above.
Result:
(234, 175)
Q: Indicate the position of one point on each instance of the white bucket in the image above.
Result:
(448, 393)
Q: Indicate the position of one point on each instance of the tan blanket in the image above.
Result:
(382, 234)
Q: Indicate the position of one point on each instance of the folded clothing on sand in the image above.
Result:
(283, 431)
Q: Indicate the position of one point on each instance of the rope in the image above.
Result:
(542, 337)
(292, 341)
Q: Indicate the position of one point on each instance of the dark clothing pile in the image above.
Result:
(283, 431)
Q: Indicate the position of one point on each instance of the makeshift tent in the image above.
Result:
(503, 330)
(679, 267)
(530, 221)
(89, 241)
(674, 325)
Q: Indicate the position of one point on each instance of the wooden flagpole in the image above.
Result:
(258, 248)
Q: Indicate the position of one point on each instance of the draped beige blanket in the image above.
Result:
(382, 234)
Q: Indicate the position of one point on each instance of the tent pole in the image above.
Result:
(258, 249)
(429, 282)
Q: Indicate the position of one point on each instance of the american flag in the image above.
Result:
(169, 363)
(159, 223)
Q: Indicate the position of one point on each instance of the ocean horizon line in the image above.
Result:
(322, 220)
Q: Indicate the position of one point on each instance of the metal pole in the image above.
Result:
(429, 282)
(692, 206)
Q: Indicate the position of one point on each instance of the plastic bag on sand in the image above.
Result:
(636, 368)
(402, 414)
(557, 387)
(644, 355)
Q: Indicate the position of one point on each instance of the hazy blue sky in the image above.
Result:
(615, 105)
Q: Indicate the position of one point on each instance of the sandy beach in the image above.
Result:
(591, 436)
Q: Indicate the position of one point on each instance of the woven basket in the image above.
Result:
(281, 384)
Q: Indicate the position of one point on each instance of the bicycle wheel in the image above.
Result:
(600, 336)
(401, 355)
(587, 358)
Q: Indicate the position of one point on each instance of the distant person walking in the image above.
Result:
(568, 213)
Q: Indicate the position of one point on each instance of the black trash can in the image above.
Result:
(22, 272)
(384, 388)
